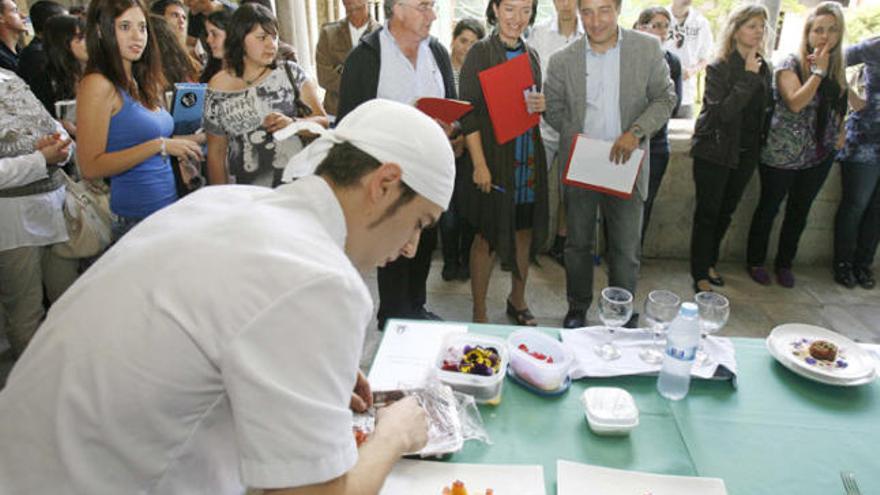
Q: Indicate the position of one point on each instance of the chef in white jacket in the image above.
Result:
(216, 346)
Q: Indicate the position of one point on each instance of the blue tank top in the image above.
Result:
(149, 185)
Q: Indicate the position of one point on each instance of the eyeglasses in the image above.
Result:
(423, 7)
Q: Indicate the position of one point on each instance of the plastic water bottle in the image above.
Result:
(681, 349)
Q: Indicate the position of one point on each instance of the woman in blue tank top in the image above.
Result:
(124, 132)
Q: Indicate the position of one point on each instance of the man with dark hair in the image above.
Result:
(11, 28)
(199, 11)
(626, 97)
(198, 373)
(402, 62)
(334, 44)
(175, 14)
(32, 61)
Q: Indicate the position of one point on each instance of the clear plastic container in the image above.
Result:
(541, 373)
(484, 389)
(610, 410)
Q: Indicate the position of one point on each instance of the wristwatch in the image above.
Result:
(637, 131)
(819, 72)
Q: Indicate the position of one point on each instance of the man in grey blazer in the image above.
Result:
(612, 84)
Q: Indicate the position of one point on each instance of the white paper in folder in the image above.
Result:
(590, 167)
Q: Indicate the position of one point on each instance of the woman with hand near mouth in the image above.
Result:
(807, 130)
(507, 203)
(124, 133)
(254, 95)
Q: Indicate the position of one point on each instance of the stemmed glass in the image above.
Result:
(661, 307)
(714, 310)
(615, 309)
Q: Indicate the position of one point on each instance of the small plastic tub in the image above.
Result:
(538, 359)
(610, 410)
(484, 389)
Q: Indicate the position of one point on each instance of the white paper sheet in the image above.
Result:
(411, 477)
(407, 353)
(590, 165)
(573, 478)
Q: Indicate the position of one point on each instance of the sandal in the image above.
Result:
(523, 317)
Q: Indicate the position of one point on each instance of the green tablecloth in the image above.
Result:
(776, 434)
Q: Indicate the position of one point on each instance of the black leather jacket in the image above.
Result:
(729, 89)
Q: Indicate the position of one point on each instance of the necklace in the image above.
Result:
(251, 81)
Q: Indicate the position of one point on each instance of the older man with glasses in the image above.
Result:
(402, 62)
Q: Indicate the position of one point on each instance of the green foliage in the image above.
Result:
(862, 23)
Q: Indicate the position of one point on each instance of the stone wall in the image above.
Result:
(669, 234)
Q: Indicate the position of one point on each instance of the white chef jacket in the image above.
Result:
(214, 347)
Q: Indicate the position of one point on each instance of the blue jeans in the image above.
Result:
(121, 225)
(857, 223)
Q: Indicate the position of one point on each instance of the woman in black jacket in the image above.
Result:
(728, 136)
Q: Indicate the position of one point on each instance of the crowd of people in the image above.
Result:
(194, 300)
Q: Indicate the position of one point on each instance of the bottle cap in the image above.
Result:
(689, 309)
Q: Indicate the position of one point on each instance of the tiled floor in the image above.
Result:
(755, 309)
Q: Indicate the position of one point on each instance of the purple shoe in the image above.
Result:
(785, 277)
(759, 274)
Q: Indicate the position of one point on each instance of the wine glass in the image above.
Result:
(714, 310)
(661, 307)
(615, 309)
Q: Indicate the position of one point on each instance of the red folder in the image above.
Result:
(444, 109)
(503, 87)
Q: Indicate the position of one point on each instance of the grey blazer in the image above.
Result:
(647, 95)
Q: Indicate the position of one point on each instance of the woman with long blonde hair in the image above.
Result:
(728, 136)
(807, 129)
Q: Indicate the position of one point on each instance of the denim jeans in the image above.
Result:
(120, 226)
(857, 223)
(801, 188)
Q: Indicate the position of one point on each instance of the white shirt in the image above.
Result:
(399, 80)
(546, 39)
(356, 33)
(35, 220)
(214, 347)
(691, 42)
(602, 117)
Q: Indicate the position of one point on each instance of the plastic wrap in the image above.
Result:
(453, 417)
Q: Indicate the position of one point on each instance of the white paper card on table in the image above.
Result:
(407, 353)
(589, 167)
(574, 478)
(429, 477)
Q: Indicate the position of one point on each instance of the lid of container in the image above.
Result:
(610, 407)
(564, 356)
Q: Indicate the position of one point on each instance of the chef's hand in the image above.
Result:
(404, 423)
(362, 396)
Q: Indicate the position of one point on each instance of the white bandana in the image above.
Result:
(390, 132)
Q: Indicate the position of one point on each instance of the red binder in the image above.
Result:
(444, 109)
(503, 87)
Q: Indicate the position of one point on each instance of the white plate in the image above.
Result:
(855, 366)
